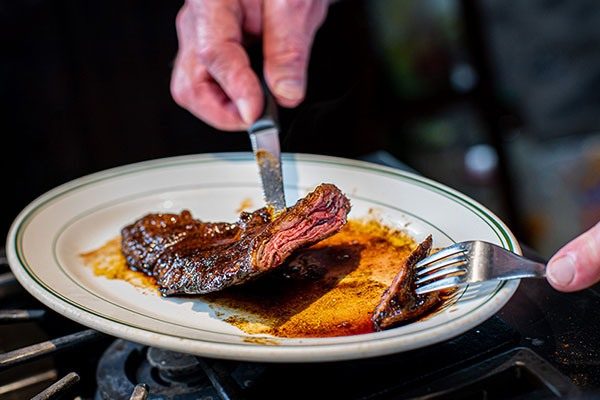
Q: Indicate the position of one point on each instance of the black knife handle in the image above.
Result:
(257, 63)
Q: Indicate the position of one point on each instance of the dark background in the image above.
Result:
(498, 99)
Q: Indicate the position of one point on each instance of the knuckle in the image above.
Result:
(299, 6)
(311, 12)
(178, 94)
(291, 51)
(224, 62)
(182, 19)
(206, 53)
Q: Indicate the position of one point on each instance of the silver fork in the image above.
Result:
(470, 262)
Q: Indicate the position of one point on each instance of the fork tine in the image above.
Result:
(441, 284)
(459, 258)
(440, 273)
(447, 252)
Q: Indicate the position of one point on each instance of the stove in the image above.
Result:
(543, 344)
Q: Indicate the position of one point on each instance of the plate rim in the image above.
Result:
(253, 351)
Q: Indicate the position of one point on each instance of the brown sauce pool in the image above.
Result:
(329, 289)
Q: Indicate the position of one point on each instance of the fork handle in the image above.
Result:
(525, 269)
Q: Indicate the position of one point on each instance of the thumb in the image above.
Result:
(577, 265)
(288, 31)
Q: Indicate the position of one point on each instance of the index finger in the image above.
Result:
(192, 87)
(219, 49)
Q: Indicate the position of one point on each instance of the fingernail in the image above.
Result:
(243, 107)
(561, 271)
(290, 89)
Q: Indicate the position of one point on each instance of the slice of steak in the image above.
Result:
(203, 259)
(399, 303)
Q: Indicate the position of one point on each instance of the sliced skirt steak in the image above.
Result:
(189, 256)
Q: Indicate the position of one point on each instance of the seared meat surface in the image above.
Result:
(188, 256)
(155, 234)
(399, 303)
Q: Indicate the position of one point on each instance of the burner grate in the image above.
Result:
(165, 374)
(59, 388)
(11, 316)
(516, 374)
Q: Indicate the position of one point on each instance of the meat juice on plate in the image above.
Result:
(302, 272)
(328, 289)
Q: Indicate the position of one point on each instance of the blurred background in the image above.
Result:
(498, 99)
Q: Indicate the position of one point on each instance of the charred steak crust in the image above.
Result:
(188, 256)
(399, 303)
(146, 240)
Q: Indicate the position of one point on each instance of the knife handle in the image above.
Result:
(269, 111)
(270, 105)
(268, 118)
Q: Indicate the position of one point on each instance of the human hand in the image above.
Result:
(577, 265)
(212, 77)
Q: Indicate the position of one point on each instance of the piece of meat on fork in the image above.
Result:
(399, 303)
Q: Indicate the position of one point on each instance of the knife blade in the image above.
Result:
(264, 136)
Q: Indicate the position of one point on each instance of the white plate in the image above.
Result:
(46, 238)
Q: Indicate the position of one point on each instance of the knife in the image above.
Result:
(264, 136)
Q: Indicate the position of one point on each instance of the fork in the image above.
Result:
(470, 262)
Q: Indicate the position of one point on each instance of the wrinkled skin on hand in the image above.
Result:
(212, 77)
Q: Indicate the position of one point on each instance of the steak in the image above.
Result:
(399, 303)
(188, 256)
